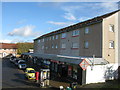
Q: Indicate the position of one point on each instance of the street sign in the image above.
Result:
(84, 64)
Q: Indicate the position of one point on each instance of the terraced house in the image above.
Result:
(86, 52)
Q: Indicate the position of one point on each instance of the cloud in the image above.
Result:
(26, 31)
(109, 5)
(69, 16)
(5, 41)
(69, 12)
(60, 23)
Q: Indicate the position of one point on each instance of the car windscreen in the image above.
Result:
(21, 62)
(31, 71)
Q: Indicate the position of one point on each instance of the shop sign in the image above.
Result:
(54, 61)
(84, 64)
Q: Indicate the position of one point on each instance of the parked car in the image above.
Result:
(16, 61)
(12, 59)
(22, 64)
(30, 73)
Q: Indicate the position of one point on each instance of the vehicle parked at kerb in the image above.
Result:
(12, 59)
(16, 61)
(30, 73)
(22, 64)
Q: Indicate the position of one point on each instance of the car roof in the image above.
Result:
(29, 69)
(21, 61)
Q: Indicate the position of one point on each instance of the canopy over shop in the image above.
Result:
(67, 66)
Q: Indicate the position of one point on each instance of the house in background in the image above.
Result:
(7, 49)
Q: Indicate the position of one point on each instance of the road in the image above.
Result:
(12, 77)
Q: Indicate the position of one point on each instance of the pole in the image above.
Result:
(93, 59)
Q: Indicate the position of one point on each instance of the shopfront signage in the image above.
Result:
(84, 64)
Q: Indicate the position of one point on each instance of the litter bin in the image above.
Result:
(73, 85)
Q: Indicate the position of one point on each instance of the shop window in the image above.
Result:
(75, 72)
(56, 67)
(70, 71)
(52, 66)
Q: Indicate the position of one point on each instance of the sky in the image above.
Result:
(25, 21)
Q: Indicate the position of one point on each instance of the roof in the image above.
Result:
(29, 69)
(69, 59)
(78, 25)
(8, 46)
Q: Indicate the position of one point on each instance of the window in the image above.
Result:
(56, 36)
(38, 41)
(56, 46)
(46, 39)
(111, 44)
(75, 45)
(75, 72)
(50, 38)
(75, 33)
(63, 45)
(86, 44)
(42, 47)
(86, 30)
(63, 35)
(42, 40)
(53, 37)
(52, 46)
(46, 47)
(111, 28)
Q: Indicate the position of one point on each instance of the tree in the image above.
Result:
(24, 47)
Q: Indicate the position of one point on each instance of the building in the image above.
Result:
(97, 36)
(95, 42)
(7, 49)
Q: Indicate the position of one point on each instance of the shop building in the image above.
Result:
(95, 41)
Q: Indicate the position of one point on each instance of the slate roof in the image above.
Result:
(8, 46)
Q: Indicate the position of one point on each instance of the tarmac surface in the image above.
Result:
(12, 77)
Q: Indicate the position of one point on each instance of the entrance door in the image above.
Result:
(64, 71)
